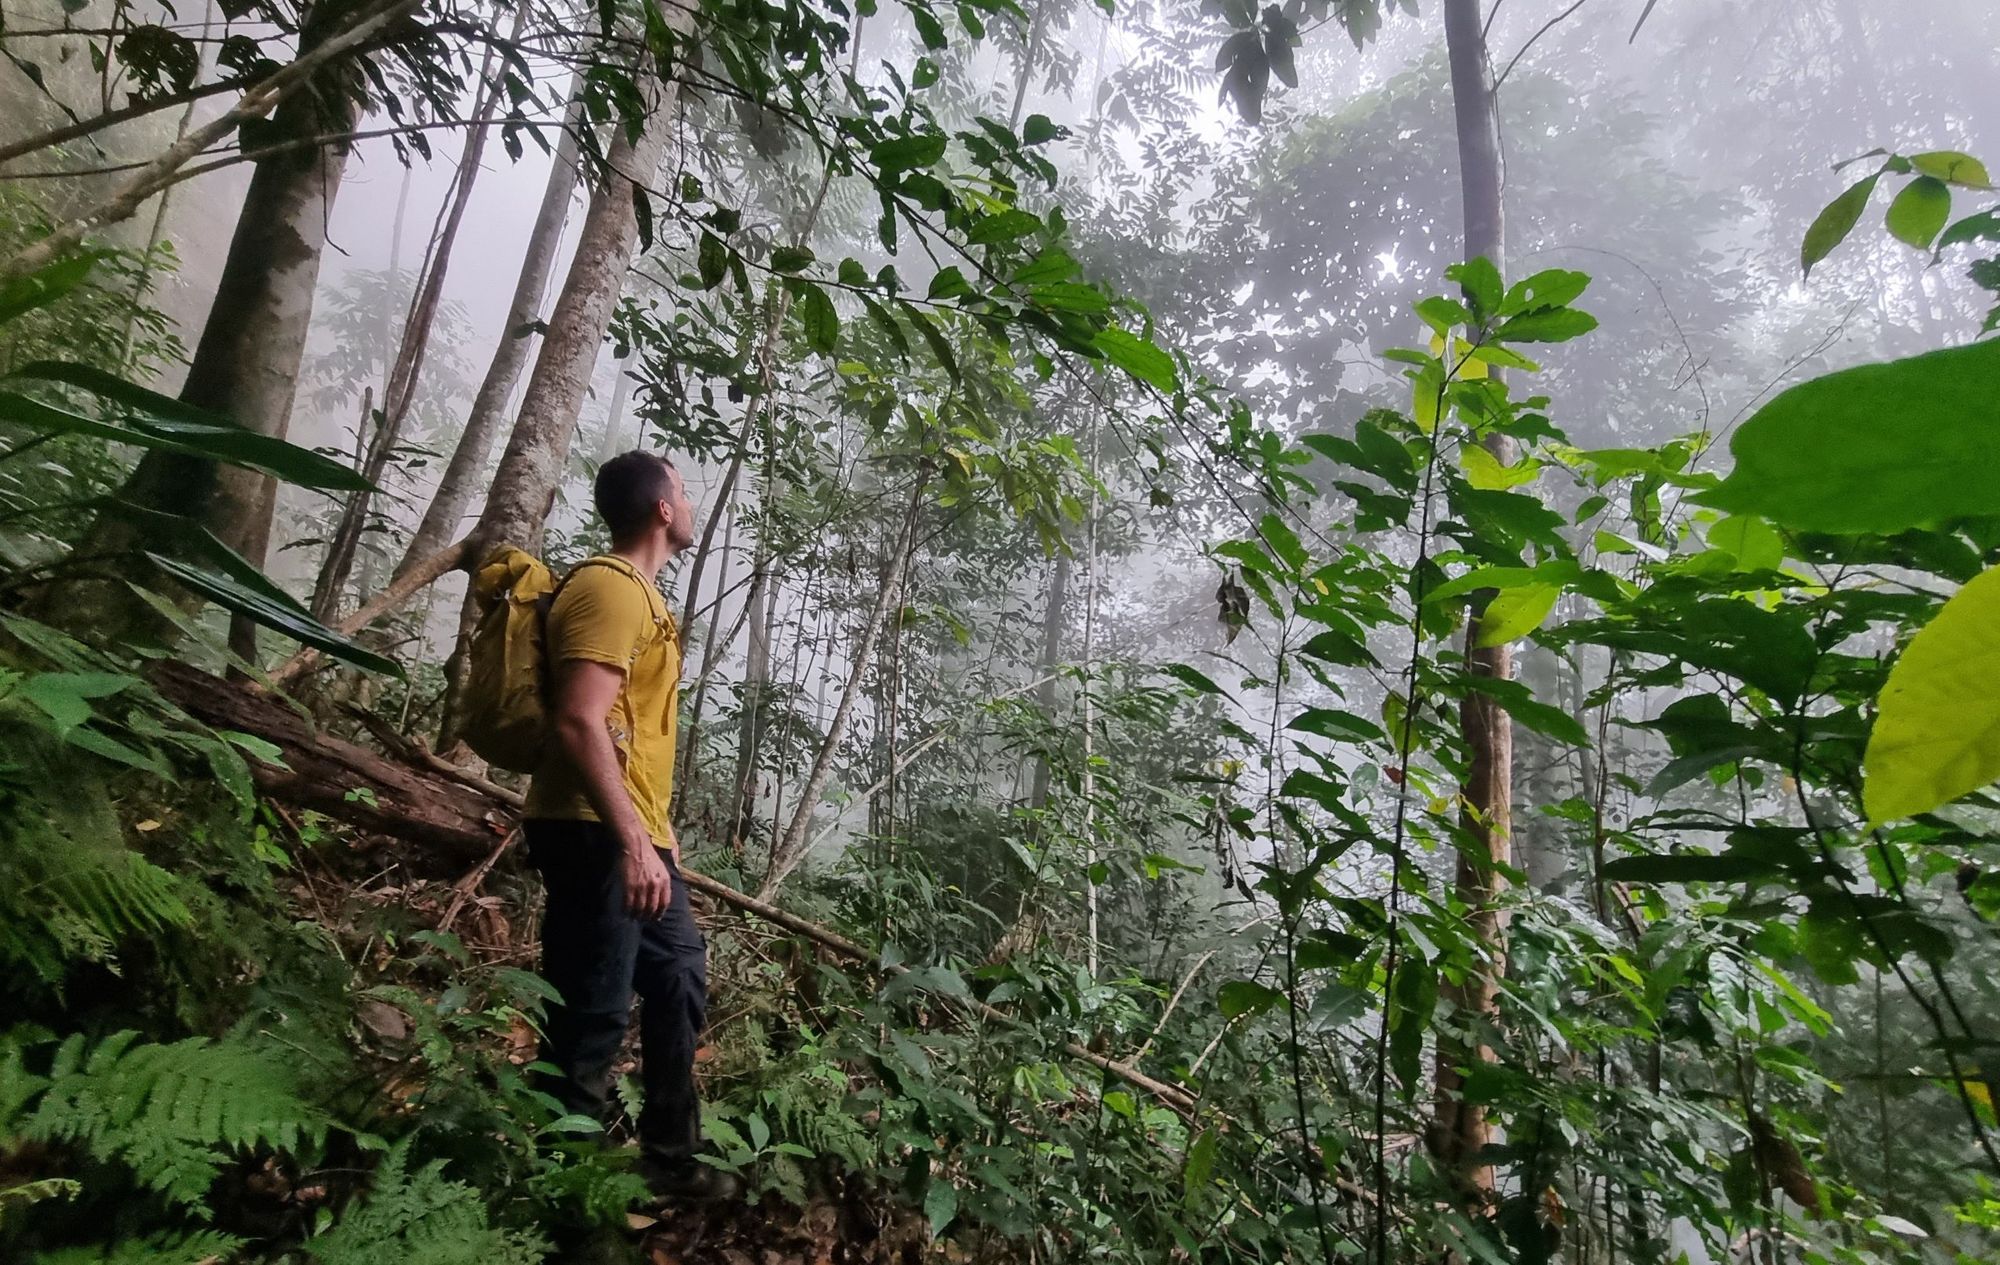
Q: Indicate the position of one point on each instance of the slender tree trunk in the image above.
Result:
(749, 723)
(614, 417)
(788, 851)
(1461, 1130)
(1053, 618)
(444, 519)
(406, 367)
(246, 362)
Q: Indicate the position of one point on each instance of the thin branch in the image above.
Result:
(1547, 26)
(158, 174)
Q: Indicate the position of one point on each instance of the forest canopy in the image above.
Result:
(1351, 630)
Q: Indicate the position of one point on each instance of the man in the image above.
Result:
(596, 828)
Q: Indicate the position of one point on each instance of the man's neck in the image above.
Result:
(647, 556)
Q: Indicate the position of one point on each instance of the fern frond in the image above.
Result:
(173, 1113)
(70, 889)
(422, 1218)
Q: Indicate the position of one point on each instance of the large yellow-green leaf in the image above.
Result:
(1514, 613)
(1937, 734)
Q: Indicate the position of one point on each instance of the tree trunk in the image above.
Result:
(1053, 618)
(405, 368)
(789, 850)
(246, 363)
(756, 685)
(614, 417)
(537, 453)
(1461, 1130)
(444, 518)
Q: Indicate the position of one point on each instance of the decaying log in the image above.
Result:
(415, 798)
(338, 778)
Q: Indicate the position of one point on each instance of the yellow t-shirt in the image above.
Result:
(608, 613)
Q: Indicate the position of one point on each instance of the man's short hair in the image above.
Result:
(628, 487)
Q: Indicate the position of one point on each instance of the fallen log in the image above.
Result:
(416, 796)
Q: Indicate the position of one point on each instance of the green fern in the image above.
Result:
(172, 1113)
(70, 889)
(422, 1218)
(807, 1102)
(204, 1247)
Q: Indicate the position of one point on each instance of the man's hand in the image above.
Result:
(649, 888)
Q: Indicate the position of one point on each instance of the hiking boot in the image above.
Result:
(688, 1181)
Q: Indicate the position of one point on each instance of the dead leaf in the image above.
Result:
(382, 1019)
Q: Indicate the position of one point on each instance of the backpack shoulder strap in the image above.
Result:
(654, 602)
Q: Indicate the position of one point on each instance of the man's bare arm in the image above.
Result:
(585, 692)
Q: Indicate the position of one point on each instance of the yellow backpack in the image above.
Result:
(503, 715)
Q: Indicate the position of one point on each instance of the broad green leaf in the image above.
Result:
(44, 286)
(791, 258)
(1687, 867)
(1200, 1161)
(1834, 223)
(160, 421)
(1246, 997)
(286, 616)
(1009, 225)
(1953, 167)
(1937, 730)
(1547, 325)
(1441, 313)
(1138, 357)
(941, 1200)
(711, 260)
(949, 283)
(1039, 130)
(1514, 613)
(1755, 543)
(1518, 701)
(1483, 470)
(1919, 212)
(906, 153)
(1193, 678)
(66, 696)
(821, 322)
(1479, 280)
(1552, 287)
(1331, 722)
(1875, 449)
(1984, 226)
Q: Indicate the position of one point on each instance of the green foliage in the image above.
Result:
(1937, 736)
(172, 1113)
(1820, 457)
(419, 1214)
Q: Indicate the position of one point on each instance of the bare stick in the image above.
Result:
(401, 589)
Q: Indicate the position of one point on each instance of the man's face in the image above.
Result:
(680, 512)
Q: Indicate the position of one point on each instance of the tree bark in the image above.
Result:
(246, 363)
(444, 518)
(1461, 1130)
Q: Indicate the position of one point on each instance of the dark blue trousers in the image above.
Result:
(597, 956)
